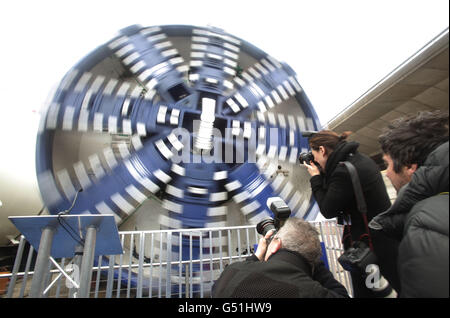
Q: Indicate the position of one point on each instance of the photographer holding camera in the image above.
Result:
(289, 266)
(334, 191)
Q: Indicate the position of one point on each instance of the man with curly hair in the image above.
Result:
(415, 150)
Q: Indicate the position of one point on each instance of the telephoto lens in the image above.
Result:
(265, 226)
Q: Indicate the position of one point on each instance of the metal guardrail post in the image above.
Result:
(152, 255)
(77, 264)
(27, 269)
(97, 280)
(42, 262)
(87, 262)
(130, 259)
(18, 260)
(141, 264)
(169, 265)
(187, 280)
(180, 265)
(201, 262)
(119, 278)
(190, 265)
(110, 280)
(160, 264)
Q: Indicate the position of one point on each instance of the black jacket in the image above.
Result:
(286, 274)
(419, 219)
(334, 194)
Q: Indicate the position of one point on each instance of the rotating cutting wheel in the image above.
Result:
(190, 116)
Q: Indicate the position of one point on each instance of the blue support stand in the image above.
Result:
(60, 236)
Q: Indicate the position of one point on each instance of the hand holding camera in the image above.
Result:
(263, 243)
(269, 227)
(307, 159)
(313, 170)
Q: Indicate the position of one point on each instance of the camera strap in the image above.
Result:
(360, 201)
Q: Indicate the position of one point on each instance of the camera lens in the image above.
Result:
(306, 157)
(265, 226)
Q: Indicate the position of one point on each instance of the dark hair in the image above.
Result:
(328, 139)
(409, 140)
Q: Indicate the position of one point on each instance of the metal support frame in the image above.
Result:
(54, 239)
(77, 262)
(42, 262)
(87, 262)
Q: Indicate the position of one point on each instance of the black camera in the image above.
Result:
(306, 157)
(281, 213)
(357, 257)
(361, 258)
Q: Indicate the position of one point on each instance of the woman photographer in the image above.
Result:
(333, 190)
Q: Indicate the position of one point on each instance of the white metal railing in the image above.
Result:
(148, 269)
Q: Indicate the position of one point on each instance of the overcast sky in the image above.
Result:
(339, 49)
